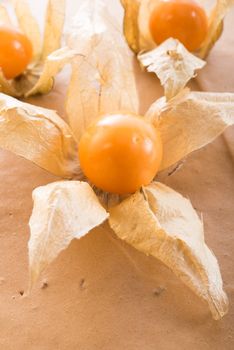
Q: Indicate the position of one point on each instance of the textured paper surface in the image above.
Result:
(99, 290)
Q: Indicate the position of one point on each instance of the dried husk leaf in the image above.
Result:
(52, 65)
(39, 75)
(7, 86)
(54, 22)
(39, 78)
(215, 25)
(102, 80)
(164, 224)
(136, 24)
(146, 41)
(130, 24)
(62, 211)
(190, 121)
(173, 64)
(39, 135)
(4, 17)
(28, 25)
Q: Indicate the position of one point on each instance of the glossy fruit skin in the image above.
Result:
(120, 152)
(184, 20)
(15, 52)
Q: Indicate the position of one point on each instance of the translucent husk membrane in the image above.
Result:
(170, 60)
(48, 57)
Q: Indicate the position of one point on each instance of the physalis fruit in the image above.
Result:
(119, 153)
(15, 52)
(184, 20)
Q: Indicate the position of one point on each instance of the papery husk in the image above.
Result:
(54, 22)
(4, 17)
(190, 121)
(7, 86)
(28, 25)
(130, 24)
(215, 26)
(39, 135)
(162, 223)
(173, 64)
(38, 78)
(62, 211)
(136, 24)
(102, 80)
(52, 65)
(146, 41)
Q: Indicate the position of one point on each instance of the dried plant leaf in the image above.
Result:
(102, 80)
(190, 121)
(136, 24)
(7, 86)
(28, 25)
(167, 227)
(52, 65)
(130, 26)
(173, 64)
(53, 27)
(215, 25)
(39, 135)
(4, 17)
(39, 78)
(62, 211)
(146, 41)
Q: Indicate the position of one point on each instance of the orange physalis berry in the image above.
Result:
(119, 153)
(184, 20)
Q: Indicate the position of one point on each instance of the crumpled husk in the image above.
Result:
(48, 60)
(190, 121)
(130, 24)
(62, 211)
(215, 28)
(28, 25)
(4, 17)
(102, 80)
(173, 64)
(54, 21)
(39, 135)
(52, 65)
(136, 20)
(136, 29)
(162, 223)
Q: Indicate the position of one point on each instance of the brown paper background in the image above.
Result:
(101, 293)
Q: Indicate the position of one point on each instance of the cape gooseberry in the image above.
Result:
(119, 153)
(15, 52)
(184, 20)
